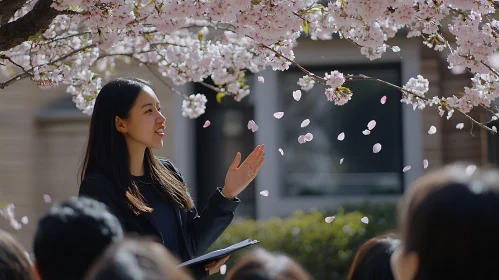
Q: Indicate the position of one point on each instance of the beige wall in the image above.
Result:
(44, 156)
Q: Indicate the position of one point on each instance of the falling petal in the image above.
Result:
(47, 198)
(365, 220)
(223, 268)
(383, 100)
(250, 124)
(470, 169)
(309, 136)
(341, 136)
(281, 151)
(265, 193)
(407, 168)
(278, 115)
(254, 128)
(301, 139)
(460, 125)
(371, 125)
(376, 148)
(261, 79)
(341, 160)
(297, 95)
(425, 163)
(366, 132)
(432, 130)
(305, 123)
(206, 124)
(24, 220)
(329, 219)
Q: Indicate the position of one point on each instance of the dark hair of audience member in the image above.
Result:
(450, 219)
(71, 235)
(137, 259)
(372, 260)
(14, 262)
(263, 265)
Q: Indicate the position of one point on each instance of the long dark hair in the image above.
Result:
(107, 150)
(372, 260)
(450, 219)
(14, 264)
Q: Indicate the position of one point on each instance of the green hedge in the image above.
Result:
(325, 250)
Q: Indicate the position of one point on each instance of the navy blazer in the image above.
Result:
(198, 231)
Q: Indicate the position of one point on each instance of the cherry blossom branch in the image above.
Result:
(364, 77)
(160, 78)
(2, 56)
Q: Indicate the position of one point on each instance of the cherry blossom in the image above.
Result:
(190, 41)
(252, 126)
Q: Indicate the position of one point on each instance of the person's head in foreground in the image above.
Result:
(263, 265)
(137, 259)
(14, 262)
(71, 235)
(372, 260)
(449, 225)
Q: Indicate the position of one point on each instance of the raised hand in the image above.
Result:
(239, 177)
(214, 266)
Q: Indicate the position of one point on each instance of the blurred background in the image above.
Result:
(43, 136)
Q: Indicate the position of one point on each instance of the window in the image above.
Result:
(314, 168)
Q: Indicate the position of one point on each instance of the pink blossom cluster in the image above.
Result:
(191, 40)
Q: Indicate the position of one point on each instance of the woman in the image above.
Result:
(372, 261)
(14, 261)
(146, 193)
(263, 265)
(449, 225)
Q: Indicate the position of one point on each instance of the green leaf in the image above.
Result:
(35, 37)
(219, 97)
(148, 37)
(69, 63)
(149, 2)
(200, 36)
(305, 27)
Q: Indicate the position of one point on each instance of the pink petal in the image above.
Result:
(278, 115)
(305, 123)
(261, 79)
(383, 100)
(365, 220)
(309, 136)
(371, 125)
(265, 193)
(251, 123)
(341, 160)
(47, 198)
(425, 163)
(24, 220)
(223, 269)
(366, 132)
(432, 130)
(329, 219)
(297, 95)
(254, 128)
(301, 139)
(206, 124)
(341, 136)
(281, 151)
(460, 126)
(376, 148)
(407, 168)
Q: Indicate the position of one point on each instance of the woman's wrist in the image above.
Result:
(227, 195)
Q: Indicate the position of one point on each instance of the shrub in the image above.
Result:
(325, 250)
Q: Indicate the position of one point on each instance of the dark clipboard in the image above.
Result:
(218, 254)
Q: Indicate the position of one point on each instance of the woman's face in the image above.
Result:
(404, 265)
(145, 124)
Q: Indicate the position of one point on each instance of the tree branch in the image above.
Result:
(38, 19)
(9, 8)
